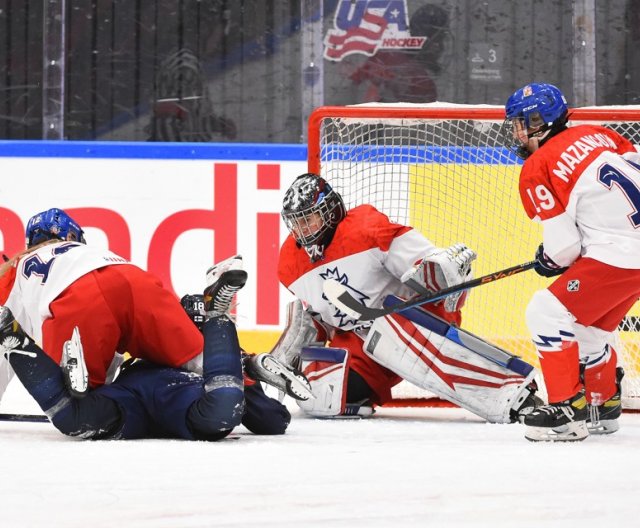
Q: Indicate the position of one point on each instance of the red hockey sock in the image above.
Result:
(561, 370)
(600, 380)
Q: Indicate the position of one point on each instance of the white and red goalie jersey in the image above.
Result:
(584, 186)
(368, 253)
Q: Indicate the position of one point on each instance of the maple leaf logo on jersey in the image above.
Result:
(344, 280)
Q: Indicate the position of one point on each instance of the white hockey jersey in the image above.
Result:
(584, 186)
(38, 278)
(42, 275)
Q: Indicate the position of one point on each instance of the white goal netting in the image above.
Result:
(443, 169)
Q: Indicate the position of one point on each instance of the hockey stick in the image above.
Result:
(339, 295)
(34, 418)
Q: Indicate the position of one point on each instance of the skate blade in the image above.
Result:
(74, 367)
(603, 427)
(297, 386)
(573, 432)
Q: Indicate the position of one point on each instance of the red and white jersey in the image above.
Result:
(41, 275)
(584, 186)
(368, 254)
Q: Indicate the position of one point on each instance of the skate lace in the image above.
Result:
(556, 409)
(594, 414)
(222, 300)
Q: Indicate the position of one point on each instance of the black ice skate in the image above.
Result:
(266, 368)
(223, 282)
(603, 419)
(565, 421)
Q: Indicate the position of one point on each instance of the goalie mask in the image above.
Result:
(537, 112)
(53, 224)
(312, 210)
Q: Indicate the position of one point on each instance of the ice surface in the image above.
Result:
(404, 467)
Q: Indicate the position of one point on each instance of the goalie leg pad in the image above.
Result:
(300, 331)
(327, 371)
(451, 369)
(440, 326)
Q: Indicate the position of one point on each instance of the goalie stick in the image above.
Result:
(339, 295)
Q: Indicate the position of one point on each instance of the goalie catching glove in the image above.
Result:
(442, 268)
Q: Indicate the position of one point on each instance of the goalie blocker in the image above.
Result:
(432, 354)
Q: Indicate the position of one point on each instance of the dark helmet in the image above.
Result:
(538, 109)
(432, 21)
(312, 210)
(428, 19)
(53, 224)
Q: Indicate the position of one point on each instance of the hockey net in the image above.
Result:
(443, 169)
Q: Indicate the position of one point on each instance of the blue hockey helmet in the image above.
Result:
(537, 110)
(52, 224)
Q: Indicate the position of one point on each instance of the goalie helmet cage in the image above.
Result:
(443, 169)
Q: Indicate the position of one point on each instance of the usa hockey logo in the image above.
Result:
(365, 26)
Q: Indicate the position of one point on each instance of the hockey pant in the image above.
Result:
(453, 364)
(573, 325)
(121, 308)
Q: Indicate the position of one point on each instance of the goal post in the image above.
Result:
(443, 169)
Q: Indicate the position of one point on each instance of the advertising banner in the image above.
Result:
(172, 209)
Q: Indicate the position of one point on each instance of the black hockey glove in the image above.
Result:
(545, 266)
(194, 306)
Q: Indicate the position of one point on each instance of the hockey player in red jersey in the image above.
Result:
(69, 312)
(583, 184)
(375, 257)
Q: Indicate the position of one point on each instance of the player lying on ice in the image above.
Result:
(374, 257)
(84, 306)
(583, 184)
